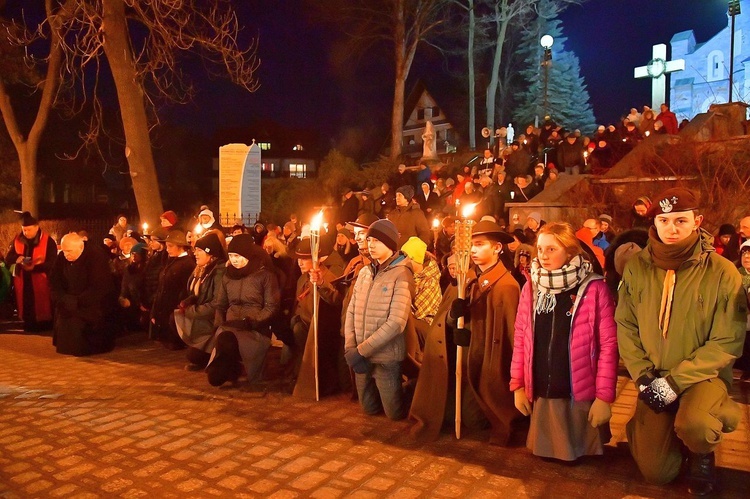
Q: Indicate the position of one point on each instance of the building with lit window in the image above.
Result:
(705, 80)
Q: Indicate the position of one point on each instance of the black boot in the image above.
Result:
(702, 477)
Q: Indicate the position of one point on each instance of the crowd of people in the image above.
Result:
(547, 313)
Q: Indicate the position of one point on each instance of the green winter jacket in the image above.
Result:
(707, 326)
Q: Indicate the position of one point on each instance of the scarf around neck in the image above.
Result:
(669, 257)
(552, 282)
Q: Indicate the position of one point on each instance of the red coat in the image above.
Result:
(593, 343)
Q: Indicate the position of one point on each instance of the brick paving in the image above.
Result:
(133, 423)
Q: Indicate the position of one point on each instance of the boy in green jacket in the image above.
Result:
(680, 326)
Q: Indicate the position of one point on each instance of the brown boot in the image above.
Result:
(702, 474)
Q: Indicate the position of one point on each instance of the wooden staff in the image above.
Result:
(463, 254)
(314, 249)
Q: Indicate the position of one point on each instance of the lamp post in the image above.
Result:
(464, 227)
(734, 9)
(546, 42)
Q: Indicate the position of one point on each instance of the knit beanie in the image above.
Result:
(170, 217)
(211, 244)
(243, 245)
(385, 232)
(415, 249)
(407, 191)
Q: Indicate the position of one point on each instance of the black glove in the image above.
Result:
(658, 395)
(460, 308)
(356, 361)
(461, 337)
(645, 380)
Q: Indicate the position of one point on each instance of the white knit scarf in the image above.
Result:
(552, 282)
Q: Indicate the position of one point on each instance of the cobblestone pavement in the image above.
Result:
(133, 423)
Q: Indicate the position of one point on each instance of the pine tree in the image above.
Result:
(568, 101)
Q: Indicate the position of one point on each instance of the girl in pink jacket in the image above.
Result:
(564, 368)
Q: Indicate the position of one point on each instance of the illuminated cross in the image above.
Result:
(656, 69)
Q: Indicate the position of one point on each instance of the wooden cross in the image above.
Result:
(657, 69)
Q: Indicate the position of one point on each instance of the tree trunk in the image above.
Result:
(502, 28)
(27, 148)
(134, 120)
(397, 115)
(472, 104)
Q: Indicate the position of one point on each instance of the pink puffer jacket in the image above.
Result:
(593, 343)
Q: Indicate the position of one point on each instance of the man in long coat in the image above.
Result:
(490, 312)
(85, 299)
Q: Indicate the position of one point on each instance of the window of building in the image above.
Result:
(420, 114)
(267, 167)
(298, 170)
(265, 146)
(435, 112)
(715, 66)
(298, 147)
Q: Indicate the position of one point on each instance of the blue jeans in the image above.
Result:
(380, 389)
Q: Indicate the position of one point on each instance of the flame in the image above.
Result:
(316, 222)
(145, 226)
(468, 210)
(198, 229)
(435, 223)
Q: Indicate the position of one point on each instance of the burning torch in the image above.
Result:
(315, 224)
(464, 227)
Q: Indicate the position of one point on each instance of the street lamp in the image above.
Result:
(546, 42)
(734, 9)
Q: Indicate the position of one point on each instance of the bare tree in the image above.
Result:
(144, 43)
(404, 24)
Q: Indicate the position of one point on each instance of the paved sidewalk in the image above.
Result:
(133, 423)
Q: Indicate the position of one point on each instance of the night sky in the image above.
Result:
(303, 85)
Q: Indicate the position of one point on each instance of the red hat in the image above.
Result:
(674, 200)
(170, 217)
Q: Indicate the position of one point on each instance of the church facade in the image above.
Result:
(705, 79)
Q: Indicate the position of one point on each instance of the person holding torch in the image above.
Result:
(489, 312)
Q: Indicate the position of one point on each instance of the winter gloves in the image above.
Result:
(462, 337)
(599, 413)
(460, 308)
(356, 361)
(522, 402)
(658, 394)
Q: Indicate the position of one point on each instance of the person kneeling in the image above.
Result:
(247, 299)
(564, 368)
(375, 321)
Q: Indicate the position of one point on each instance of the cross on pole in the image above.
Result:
(657, 69)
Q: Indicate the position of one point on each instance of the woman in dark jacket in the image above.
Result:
(195, 317)
(130, 299)
(172, 289)
(247, 301)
